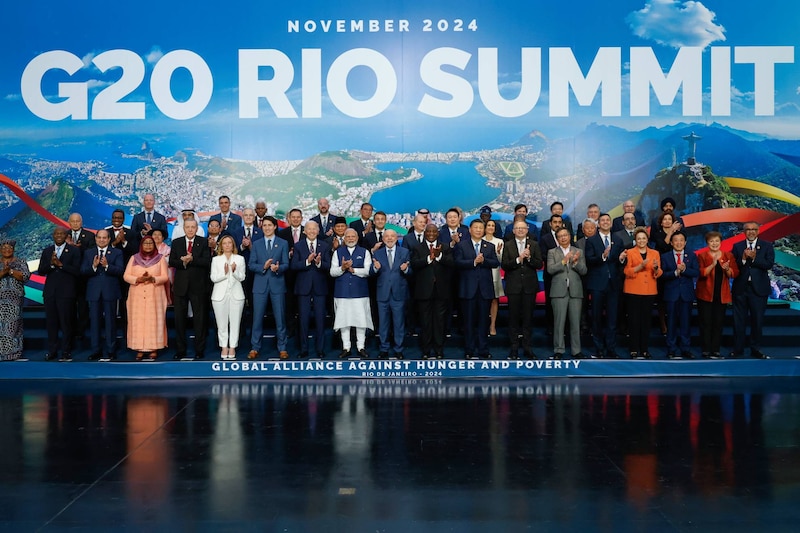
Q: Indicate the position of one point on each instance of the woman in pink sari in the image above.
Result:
(147, 302)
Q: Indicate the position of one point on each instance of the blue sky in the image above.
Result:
(218, 34)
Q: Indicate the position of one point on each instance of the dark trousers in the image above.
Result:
(520, 319)
(748, 304)
(103, 313)
(640, 310)
(605, 306)
(199, 301)
(476, 324)
(432, 319)
(59, 313)
(678, 315)
(711, 315)
(309, 306)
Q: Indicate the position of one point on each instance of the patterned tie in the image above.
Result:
(311, 247)
(477, 249)
(248, 233)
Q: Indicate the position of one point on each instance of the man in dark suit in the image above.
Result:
(475, 258)
(628, 207)
(566, 264)
(292, 234)
(681, 269)
(603, 286)
(556, 208)
(84, 240)
(363, 225)
(122, 238)
(392, 266)
(751, 289)
(324, 219)
(374, 239)
(245, 238)
(432, 263)
(145, 222)
(191, 259)
(311, 263)
(416, 234)
(228, 220)
(269, 261)
(521, 259)
(61, 264)
(261, 211)
(103, 266)
(621, 241)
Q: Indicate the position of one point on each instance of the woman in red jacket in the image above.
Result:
(713, 291)
(642, 268)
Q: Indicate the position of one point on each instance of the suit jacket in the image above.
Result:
(679, 287)
(131, 243)
(705, 282)
(85, 240)
(410, 240)
(444, 235)
(229, 284)
(234, 221)
(323, 231)
(432, 280)
(642, 282)
(311, 279)
(103, 283)
(545, 229)
(566, 280)
(756, 270)
(61, 282)
(195, 275)
(475, 280)
(521, 278)
(139, 220)
(358, 225)
(369, 240)
(392, 283)
(616, 224)
(601, 274)
(286, 235)
(238, 236)
(267, 280)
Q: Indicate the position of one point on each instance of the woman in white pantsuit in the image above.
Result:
(227, 273)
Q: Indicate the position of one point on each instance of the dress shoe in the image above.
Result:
(578, 355)
(634, 355)
(597, 355)
(302, 355)
(439, 355)
(253, 354)
(557, 356)
(50, 356)
(513, 355)
(425, 356)
(716, 355)
(399, 355)
(321, 355)
(66, 357)
(469, 356)
(612, 354)
(486, 355)
(734, 355)
(95, 356)
(362, 353)
(672, 355)
(758, 354)
(283, 354)
(199, 356)
(383, 355)
(686, 354)
(344, 354)
(705, 355)
(528, 354)
(178, 356)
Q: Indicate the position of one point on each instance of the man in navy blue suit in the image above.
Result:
(103, 266)
(392, 266)
(751, 289)
(61, 264)
(269, 260)
(324, 219)
(311, 262)
(475, 258)
(681, 269)
(228, 220)
(149, 219)
(603, 285)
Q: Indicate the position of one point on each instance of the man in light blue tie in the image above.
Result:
(269, 260)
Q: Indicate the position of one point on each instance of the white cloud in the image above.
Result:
(88, 58)
(98, 84)
(12, 97)
(676, 23)
(153, 55)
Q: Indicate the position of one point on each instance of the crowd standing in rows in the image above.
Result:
(371, 279)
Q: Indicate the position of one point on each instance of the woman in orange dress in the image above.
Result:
(147, 272)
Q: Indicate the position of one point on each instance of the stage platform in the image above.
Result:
(400, 369)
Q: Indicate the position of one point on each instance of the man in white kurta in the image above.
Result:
(350, 267)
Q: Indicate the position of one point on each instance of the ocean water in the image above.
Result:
(442, 186)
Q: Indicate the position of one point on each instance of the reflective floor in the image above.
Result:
(575, 455)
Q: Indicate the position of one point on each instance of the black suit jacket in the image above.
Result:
(61, 282)
(132, 243)
(521, 278)
(139, 220)
(434, 280)
(286, 235)
(371, 239)
(85, 240)
(195, 275)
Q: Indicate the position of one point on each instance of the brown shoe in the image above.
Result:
(253, 354)
(284, 354)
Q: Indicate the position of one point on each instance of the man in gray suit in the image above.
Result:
(566, 265)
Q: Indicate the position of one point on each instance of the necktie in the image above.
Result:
(224, 220)
(324, 223)
(59, 250)
(430, 246)
(419, 238)
(750, 244)
(677, 259)
(311, 247)
(380, 236)
(75, 236)
(102, 253)
(189, 247)
(477, 248)
(605, 241)
(296, 234)
(149, 218)
(269, 245)
(391, 257)
(248, 233)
